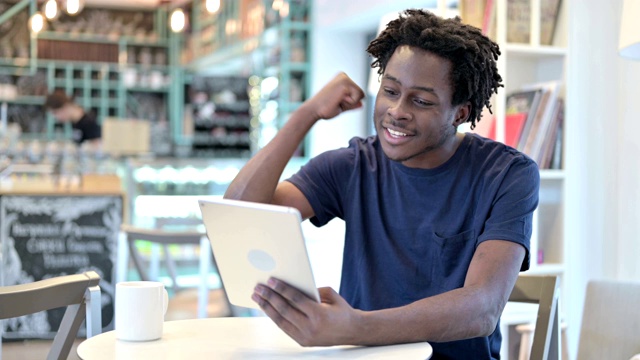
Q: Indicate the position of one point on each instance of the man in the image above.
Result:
(438, 223)
(84, 124)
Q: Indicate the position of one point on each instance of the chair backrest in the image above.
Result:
(542, 290)
(171, 231)
(79, 293)
(610, 320)
(162, 237)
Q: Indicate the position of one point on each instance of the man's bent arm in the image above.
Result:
(258, 180)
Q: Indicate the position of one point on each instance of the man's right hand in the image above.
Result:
(340, 94)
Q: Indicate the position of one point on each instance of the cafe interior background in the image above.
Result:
(184, 106)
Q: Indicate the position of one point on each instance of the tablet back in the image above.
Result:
(252, 242)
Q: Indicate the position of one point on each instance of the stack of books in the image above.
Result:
(533, 123)
(482, 14)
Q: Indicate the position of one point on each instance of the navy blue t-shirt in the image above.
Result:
(411, 233)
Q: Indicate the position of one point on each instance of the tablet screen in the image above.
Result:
(252, 242)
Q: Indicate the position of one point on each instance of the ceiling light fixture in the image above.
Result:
(212, 6)
(51, 9)
(284, 9)
(73, 7)
(36, 22)
(177, 20)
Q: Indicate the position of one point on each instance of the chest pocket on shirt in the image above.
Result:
(450, 259)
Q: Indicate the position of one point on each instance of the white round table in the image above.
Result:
(234, 338)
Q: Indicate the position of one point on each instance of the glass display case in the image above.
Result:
(170, 187)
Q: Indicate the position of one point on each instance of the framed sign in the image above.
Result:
(47, 236)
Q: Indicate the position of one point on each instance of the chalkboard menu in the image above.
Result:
(49, 236)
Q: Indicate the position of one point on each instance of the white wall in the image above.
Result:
(588, 103)
(334, 51)
(604, 171)
(628, 152)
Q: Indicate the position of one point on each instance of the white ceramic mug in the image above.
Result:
(140, 307)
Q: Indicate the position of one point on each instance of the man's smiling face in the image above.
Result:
(414, 118)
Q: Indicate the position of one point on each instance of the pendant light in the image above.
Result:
(73, 7)
(212, 6)
(177, 20)
(36, 22)
(50, 9)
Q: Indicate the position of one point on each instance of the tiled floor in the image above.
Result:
(181, 306)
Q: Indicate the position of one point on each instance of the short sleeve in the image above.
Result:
(323, 181)
(516, 198)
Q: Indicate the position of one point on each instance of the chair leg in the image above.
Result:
(67, 332)
(135, 257)
(203, 287)
(171, 268)
(526, 335)
(554, 344)
(564, 340)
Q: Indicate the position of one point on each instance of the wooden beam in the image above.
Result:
(14, 10)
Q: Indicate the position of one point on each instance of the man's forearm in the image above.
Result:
(258, 179)
(459, 314)
(463, 313)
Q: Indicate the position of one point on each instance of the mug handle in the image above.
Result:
(165, 301)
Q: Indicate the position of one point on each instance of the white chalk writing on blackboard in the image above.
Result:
(20, 229)
(35, 245)
(52, 261)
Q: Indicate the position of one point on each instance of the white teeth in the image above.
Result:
(396, 133)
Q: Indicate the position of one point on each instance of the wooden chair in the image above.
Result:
(541, 290)
(611, 320)
(80, 294)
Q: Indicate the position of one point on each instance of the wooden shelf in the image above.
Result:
(540, 51)
(162, 89)
(545, 269)
(550, 174)
(27, 100)
(81, 83)
(103, 39)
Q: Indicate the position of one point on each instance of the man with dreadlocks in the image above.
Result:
(438, 222)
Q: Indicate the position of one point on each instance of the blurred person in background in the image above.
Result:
(86, 130)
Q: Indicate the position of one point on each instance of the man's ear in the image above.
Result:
(462, 114)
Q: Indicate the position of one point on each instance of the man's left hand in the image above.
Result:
(330, 322)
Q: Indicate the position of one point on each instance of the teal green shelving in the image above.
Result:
(145, 68)
(274, 46)
(105, 39)
(27, 100)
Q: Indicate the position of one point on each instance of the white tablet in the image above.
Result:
(252, 242)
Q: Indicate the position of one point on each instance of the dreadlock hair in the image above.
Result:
(474, 74)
